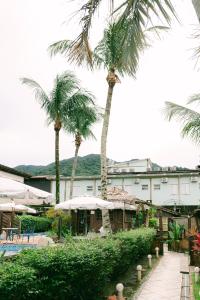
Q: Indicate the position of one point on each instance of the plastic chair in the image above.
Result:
(28, 233)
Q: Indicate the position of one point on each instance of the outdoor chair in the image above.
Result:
(28, 233)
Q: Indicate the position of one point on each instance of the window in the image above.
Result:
(156, 186)
(99, 188)
(185, 188)
(145, 187)
(89, 188)
(174, 189)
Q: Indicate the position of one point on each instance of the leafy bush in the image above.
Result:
(77, 270)
(57, 215)
(40, 224)
(153, 222)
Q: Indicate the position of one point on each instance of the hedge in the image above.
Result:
(39, 224)
(76, 271)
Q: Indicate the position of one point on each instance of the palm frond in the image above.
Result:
(120, 48)
(192, 130)
(189, 118)
(194, 98)
(150, 10)
(61, 47)
(179, 112)
(138, 12)
(40, 94)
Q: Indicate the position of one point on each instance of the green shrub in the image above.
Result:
(56, 215)
(77, 270)
(40, 224)
(17, 282)
(153, 222)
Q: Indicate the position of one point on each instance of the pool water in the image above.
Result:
(15, 247)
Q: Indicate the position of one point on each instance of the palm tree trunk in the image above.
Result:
(111, 79)
(104, 135)
(74, 170)
(57, 165)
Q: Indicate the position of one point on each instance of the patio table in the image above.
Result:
(9, 232)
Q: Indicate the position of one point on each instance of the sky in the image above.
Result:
(137, 127)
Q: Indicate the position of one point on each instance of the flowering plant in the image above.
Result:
(196, 242)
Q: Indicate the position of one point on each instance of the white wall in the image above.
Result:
(11, 176)
(179, 190)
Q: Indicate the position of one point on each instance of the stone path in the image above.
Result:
(165, 280)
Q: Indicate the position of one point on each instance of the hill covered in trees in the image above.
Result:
(87, 165)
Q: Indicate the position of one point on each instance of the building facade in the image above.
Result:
(134, 165)
(164, 188)
(11, 173)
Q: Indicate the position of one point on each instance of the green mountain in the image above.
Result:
(87, 165)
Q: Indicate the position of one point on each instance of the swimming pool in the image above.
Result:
(15, 247)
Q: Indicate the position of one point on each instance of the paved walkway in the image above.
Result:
(165, 280)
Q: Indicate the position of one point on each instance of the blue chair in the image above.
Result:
(28, 233)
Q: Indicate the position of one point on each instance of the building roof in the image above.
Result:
(14, 171)
(149, 174)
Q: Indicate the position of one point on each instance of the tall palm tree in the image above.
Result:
(65, 95)
(140, 12)
(80, 122)
(189, 118)
(118, 51)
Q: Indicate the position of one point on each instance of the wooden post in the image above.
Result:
(124, 216)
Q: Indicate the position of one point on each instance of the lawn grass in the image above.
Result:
(196, 288)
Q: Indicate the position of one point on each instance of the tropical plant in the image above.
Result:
(61, 221)
(196, 242)
(139, 12)
(80, 122)
(65, 95)
(175, 235)
(118, 52)
(189, 118)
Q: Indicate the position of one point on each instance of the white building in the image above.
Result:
(11, 173)
(166, 188)
(134, 165)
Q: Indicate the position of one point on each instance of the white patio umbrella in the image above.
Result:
(85, 203)
(13, 189)
(17, 208)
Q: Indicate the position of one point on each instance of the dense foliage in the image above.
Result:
(56, 216)
(87, 165)
(38, 224)
(78, 270)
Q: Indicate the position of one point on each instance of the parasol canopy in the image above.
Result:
(13, 189)
(85, 203)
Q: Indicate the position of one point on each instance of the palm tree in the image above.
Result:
(65, 95)
(81, 119)
(189, 118)
(140, 12)
(118, 52)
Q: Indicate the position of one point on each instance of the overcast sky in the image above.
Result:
(137, 126)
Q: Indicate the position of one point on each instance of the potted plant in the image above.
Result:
(195, 253)
(175, 235)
